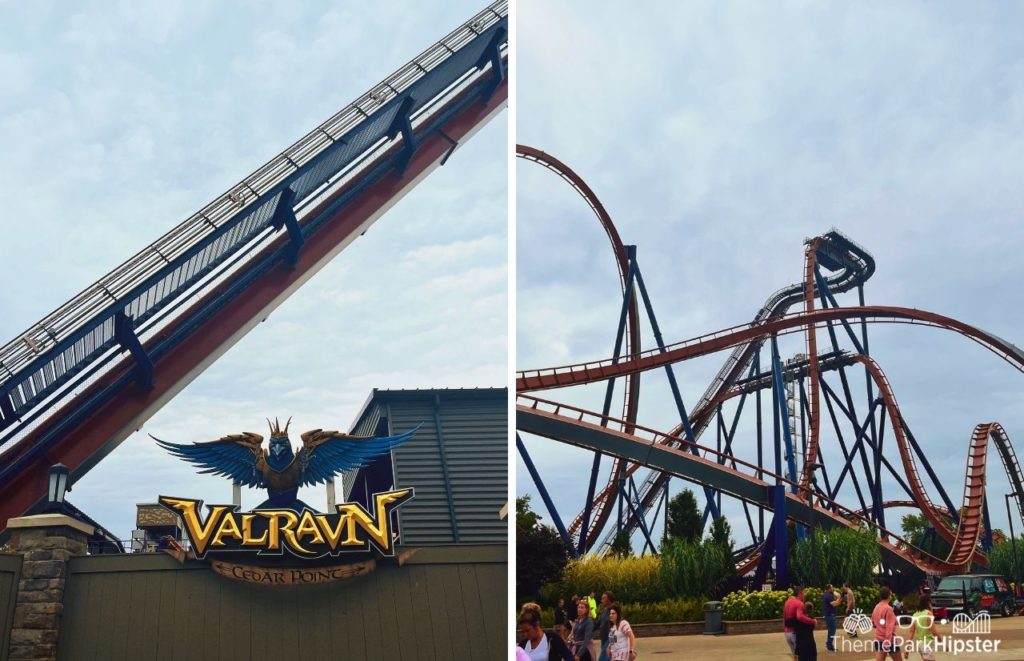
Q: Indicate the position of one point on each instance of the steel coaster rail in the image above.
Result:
(41, 361)
(631, 330)
(81, 438)
(599, 370)
(852, 266)
(829, 510)
(104, 410)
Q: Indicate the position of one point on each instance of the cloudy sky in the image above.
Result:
(719, 136)
(119, 121)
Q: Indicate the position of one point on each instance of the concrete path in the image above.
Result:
(1007, 632)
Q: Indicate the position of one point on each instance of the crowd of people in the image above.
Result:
(799, 625)
(572, 638)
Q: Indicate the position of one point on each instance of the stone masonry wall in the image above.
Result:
(39, 604)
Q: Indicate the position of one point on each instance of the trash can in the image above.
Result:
(712, 618)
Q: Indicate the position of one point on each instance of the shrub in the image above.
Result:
(634, 579)
(1001, 560)
(768, 605)
(694, 569)
(843, 554)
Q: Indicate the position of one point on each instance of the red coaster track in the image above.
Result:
(963, 531)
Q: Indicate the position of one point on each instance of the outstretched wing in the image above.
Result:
(236, 456)
(326, 454)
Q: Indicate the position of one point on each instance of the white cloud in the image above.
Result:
(719, 135)
(150, 110)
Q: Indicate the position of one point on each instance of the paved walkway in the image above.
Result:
(1009, 632)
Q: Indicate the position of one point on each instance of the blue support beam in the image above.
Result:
(648, 540)
(402, 124)
(125, 335)
(284, 216)
(548, 503)
(709, 493)
(781, 537)
(780, 401)
(620, 334)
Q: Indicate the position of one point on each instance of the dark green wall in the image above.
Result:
(444, 603)
(10, 571)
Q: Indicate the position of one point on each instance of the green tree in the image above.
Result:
(721, 533)
(525, 517)
(721, 536)
(844, 554)
(541, 553)
(1001, 559)
(914, 527)
(622, 547)
(684, 519)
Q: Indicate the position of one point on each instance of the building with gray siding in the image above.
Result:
(457, 462)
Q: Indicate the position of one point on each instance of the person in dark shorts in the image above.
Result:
(829, 601)
(806, 648)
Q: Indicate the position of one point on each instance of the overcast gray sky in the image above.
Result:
(120, 120)
(719, 135)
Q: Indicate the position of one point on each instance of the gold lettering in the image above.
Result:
(247, 538)
(198, 532)
(277, 529)
(228, 528)
(333, 535)
(377, 528)
(308, 528)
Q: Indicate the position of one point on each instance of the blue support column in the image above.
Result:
(649, 542)
(595, 468)
(780, 402)
(284, 216)
(781, 537)
(548, 503)
(402, 124)
(124, 333)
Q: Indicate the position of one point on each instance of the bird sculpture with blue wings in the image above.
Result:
(323, 455)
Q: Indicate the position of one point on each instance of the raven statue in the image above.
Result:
(324, 454)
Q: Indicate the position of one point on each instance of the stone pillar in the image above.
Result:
(46, 543)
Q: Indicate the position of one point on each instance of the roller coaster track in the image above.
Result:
(965, 536)
(631, 398)
(851, 266)
(658, 451)
(77, 383)
(700, 418)
(532, 380)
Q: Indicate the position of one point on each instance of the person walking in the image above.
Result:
(540, 645)
(806, 648)
(592, 603)
(883, 620)
(793, 611)
(621, 639)
(829, 601)
(560, 618)
(607, 599)
(850, 602)
(923, 632)
(583, 633)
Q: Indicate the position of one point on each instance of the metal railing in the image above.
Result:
(45, 360)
